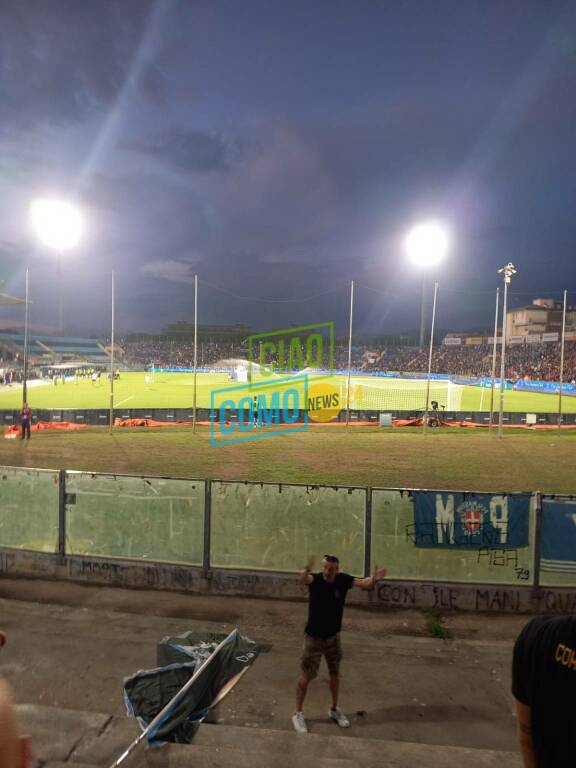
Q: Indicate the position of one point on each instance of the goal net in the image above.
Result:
(403, 395)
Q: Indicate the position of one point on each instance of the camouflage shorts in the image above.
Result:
(313, 650)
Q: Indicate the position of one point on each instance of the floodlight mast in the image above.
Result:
(507, 272)
(59, 225)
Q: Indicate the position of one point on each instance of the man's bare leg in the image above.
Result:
(301, 689)
(334, 681)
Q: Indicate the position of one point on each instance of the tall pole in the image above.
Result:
(349, 353)
(60, 297)
(195, 348)
(112, 362)
(562, 361)
(494, 349)
(422, 306)
(430, 354)
(25, 360)
(507, 273)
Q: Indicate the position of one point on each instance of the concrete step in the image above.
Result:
(313, 749)
(59, 764)
(56, 732)
(78, 739)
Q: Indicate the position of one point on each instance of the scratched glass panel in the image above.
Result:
(278, 527)
(29, 509)
(558, 542)
(137, 518)
(394, 547)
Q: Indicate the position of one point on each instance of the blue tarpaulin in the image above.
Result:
(558, 535)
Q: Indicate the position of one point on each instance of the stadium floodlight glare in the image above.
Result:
(427, 243)
(57, 223)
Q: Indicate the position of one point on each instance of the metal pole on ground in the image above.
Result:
(507, 273)
(176, 699)
(195, 348)
(349, 353)
(425, 421)
(562, 360)
(25, 357)
(494, 349)
(111, 374)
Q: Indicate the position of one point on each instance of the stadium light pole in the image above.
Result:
(349, 353)
(426, 245)
(425, 420)
(25, 360)
(59, 225)
(111, 424)
(562, 359)
(507, 272)
(195, 349)
(495, 343)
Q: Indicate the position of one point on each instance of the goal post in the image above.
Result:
(404, 395)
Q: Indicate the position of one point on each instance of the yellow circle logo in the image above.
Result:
(324, 402)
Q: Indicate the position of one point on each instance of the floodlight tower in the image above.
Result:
(426, 245)
(507, 273)
(59, 225)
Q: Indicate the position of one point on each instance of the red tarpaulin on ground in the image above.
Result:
(417, 422)
(14, 431)
(40, 426)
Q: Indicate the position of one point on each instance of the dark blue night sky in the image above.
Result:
(280, 149)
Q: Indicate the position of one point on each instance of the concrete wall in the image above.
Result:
(240, 538)
(387, 595)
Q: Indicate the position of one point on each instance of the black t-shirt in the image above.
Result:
(326, 604)
(544, 678)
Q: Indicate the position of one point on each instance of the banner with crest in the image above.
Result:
(471, 520)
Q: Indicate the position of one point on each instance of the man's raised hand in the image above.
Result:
(379, 573)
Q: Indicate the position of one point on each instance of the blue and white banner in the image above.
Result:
(474, 520)
(558, 535)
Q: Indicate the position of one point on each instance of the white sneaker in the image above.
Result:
(339, 717)
(299, 723)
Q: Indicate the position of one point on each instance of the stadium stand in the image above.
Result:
(523, 361)
(46, 349)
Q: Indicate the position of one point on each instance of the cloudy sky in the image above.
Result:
(280, 149)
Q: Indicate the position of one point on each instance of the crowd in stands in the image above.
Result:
(531, 361)
(164, 353)
(523, 361)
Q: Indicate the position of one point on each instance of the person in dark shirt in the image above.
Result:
(544, 686)
(25, 419)
(327, 590)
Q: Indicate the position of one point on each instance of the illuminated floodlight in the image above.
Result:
(427, 244)
(57, 223)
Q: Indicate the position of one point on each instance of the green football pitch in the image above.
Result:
(176, 390)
